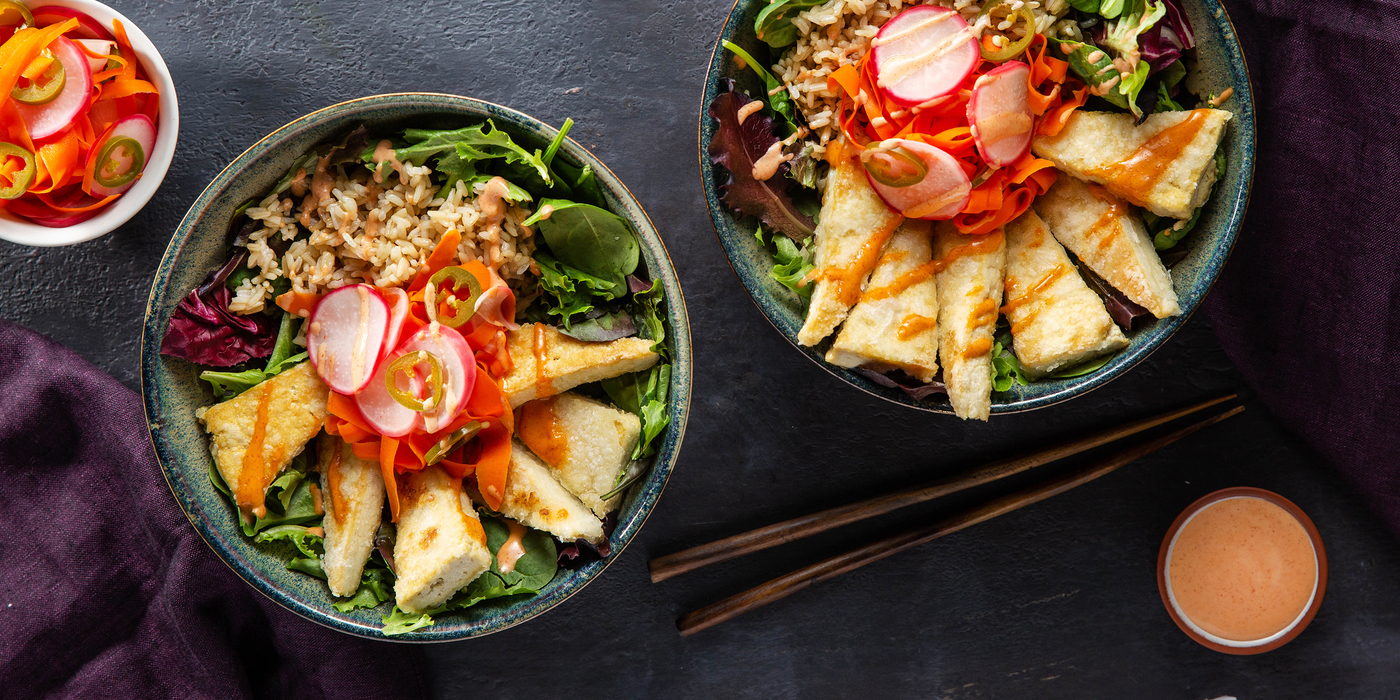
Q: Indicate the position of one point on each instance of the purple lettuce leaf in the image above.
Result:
(203, 331)
(1167, 39)
(737, 147)
(1123, 310)
(916, 390)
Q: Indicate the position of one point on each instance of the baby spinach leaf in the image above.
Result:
(1089, 367)
(647, 301)
(309, 566)
(534, 569)
(289, 501)
(591, 239)
(774, 25)
(1089, 6)
(1094, 73)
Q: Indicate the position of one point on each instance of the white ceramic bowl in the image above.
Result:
(18, 230)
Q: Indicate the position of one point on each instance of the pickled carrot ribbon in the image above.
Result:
(47, 199)
(1006, 193)
(60, 160)
(443, 254)
(294, 302)
(123, 86)
(487, 456)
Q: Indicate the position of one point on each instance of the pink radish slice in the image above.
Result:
(923, 53)
(52, 117)
(940, 195)
(383, 413)
(1000, 114)
(458, 367)
(397, 299)
(97, 46)
(137, 127)
(491, 307)
(346, 336)
(44, 215)
(88, 28)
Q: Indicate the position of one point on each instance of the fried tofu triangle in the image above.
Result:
(534, 498)
(441, 546)
(969, 293)
(894, 326)
(1166, 164)
(354, 502)
(854, 225)
(1108, 236)
(567, 362)
(254, 435)
(587, 443)
(1056, 320)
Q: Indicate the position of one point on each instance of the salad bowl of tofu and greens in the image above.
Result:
(416, 366)
(977, 208)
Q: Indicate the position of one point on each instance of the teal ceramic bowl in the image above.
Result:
(172, 391)
(1220, 65)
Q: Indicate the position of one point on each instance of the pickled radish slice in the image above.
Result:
(1000, 114)
(497, 306)
(941, 194)
(119, 155)
(459, 371)
(54, 116)
(386, 415)
(923, 53)
(88, 28)
(346, 336)
(397, 299)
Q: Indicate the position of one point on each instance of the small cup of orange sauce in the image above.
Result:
(1242, 571)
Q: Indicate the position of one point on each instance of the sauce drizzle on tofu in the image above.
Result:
(250, 479)
(847, 280)
(915, 324)
(983, 244)
(333, 481)
(539, 429)
(1135, 176)
(541, 353)
(1034, 291)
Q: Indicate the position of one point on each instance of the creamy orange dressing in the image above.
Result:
(897, 69)
(1031, 293)
(542, 382)
(512, 549)
(912, 29)
(492, 204)
(316, 503)
(545, 212)
(539, 429)
(470, 522)
(384, 153)
(1242, 569)
(357, 357)
(299, 183)
(933, 206)
(252, 478)
(1135, 177)
(977, 348)
(748, 110)
(767, 164)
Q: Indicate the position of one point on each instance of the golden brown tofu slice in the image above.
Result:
(585, 442)
(567, 362)
(854, 225)
(534, 498)
(441, 546)
(1056, 320)
(1166, 164)
(969, 293)
(895, 324)
(1106, 234)
(354, 502)
(254, 435)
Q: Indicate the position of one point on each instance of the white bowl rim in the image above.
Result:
(17, 230)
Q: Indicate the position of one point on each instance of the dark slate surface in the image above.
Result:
(1056, 601)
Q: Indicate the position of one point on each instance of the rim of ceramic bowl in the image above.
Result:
(23, 232)
(647, 498)
(1078, 386)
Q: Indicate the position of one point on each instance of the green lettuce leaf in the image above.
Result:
(644, 394)
(648, 315)
(376, 586)
(308, 544)
(791, 264)
(1006, 369)
(568, 291)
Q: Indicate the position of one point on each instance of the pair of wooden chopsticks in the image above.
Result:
(670, 565)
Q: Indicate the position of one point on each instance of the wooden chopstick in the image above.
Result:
(762, 538)
(831, 567)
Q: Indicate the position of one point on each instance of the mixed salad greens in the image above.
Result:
(590, 285)
(1133, 57)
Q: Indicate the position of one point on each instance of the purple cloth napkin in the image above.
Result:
(105, 589)
(1309, 305)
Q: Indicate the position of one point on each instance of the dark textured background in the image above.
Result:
(1056, 601)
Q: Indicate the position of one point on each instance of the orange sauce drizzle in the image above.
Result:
(1134, 177)
(1039, 287)
(470, 522)
(253, 477)
(977, 348)
(512, 549)
(333, 477)
(539, 429)
(847, 279)
(915, 324)
(983, 244)
(316, 503)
